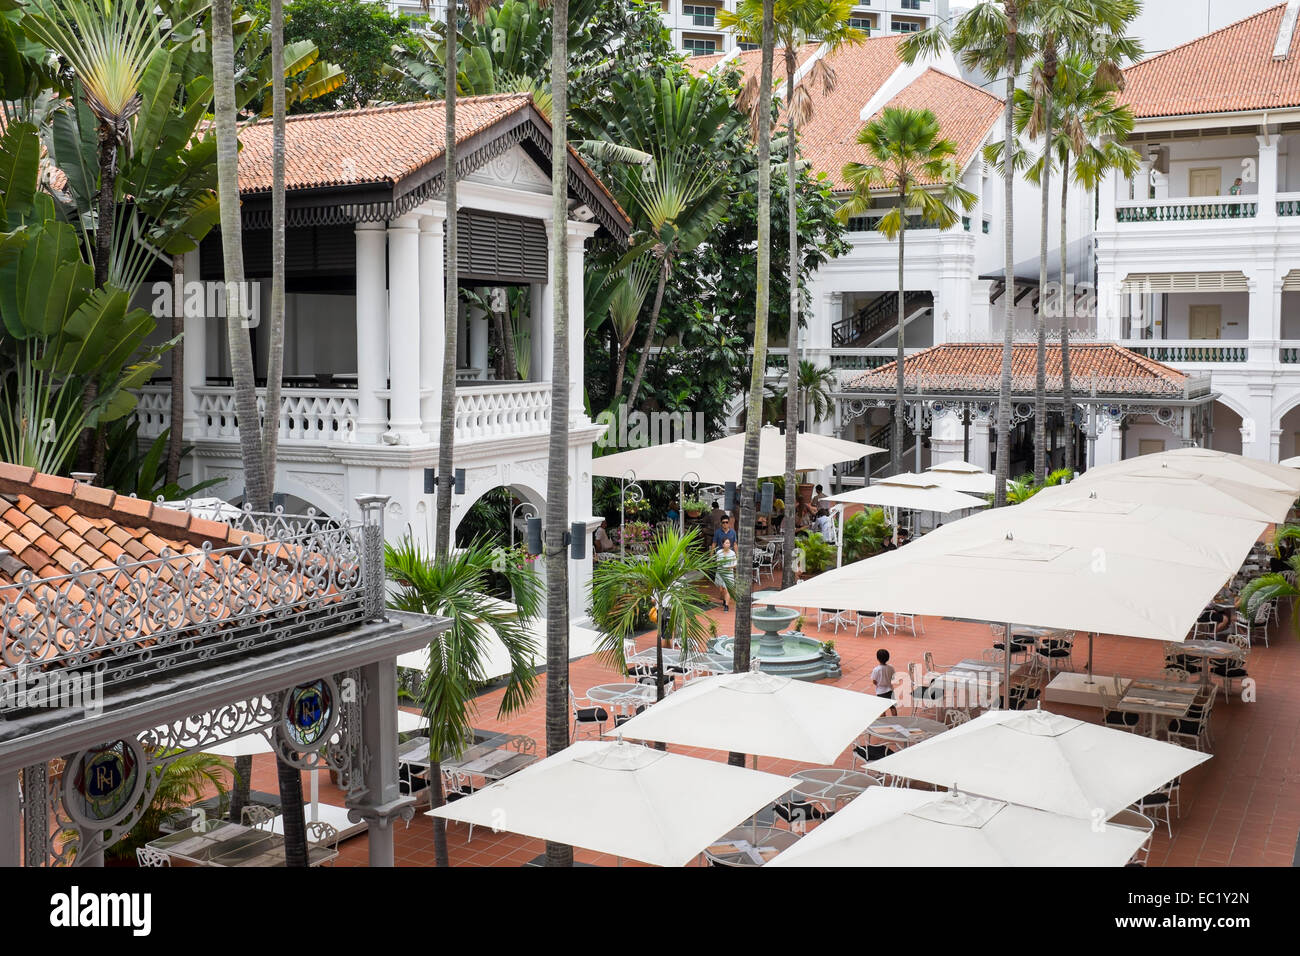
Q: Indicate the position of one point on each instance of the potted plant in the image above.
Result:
(798, 623)
(694, 507)
(828, 647)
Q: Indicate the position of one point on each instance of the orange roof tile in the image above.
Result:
(1227, 71)
(381, 144)
(978, 368)
(829, 139)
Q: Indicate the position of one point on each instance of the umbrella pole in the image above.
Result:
(681, 506)
(1006, 657)
(1090, 637)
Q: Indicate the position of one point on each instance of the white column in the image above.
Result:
(195, 363)
(1263, 323)
(577, 235)
(1142, 184)
(433, 324)
(1267, 171)
(1107, 194)
(372, 324)
(404, 329)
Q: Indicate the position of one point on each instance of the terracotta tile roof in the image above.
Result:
(62, 542)
(378, 144)
(829, 139)
(1229, 70)
(749, 62)
(965, 113)
(978, 368)
(381, 144)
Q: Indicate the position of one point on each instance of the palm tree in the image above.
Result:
(109, 46)
(795, 22)
(275, 334)
(990, 37)
(557, 468)
(1090, 129)
(815, 383)
(183, 781)
(908, 157)
(754, 411)
(1065, 26)
(457, 587)
(669, 578)
(664, 134)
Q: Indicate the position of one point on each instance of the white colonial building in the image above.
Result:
(364, 327)
(1195, 264)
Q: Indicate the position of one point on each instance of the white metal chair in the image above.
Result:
(322, 834)
(1132, 820)
(839, 618)
(147, 856)
(898, 620)
(590, 714)
(874, 621)
(257, 816)
(1156, 805)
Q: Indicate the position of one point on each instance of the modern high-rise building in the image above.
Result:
(695, 28)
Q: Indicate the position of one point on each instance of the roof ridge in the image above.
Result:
(393, 107)
(1206, 36)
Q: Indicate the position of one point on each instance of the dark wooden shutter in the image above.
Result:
(497, 248)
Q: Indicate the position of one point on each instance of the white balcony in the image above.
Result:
(329, 415)
(1187, 209)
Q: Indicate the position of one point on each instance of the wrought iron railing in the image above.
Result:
(289, 578)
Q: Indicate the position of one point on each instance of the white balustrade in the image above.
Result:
(306, 414)
(506, 410)
(153, 410)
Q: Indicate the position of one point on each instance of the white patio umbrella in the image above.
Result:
(914, 492)
(251, 745)
(672, 461)
(623, 799)
(970, 482)
(1210, 464)
(1046, 761)
(812, 452)
(1290, 462)
(915, 828)
(760, 714)
(1025, 582)
(1203, 494)
(958, 466)
(408, 722)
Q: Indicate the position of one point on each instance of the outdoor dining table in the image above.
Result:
(720, 663)
(832, 787)
(1207, 649)
(496, 764)
(905, 730)
(220, 843)
(1158, 698)
(609, 693)
(750, 846)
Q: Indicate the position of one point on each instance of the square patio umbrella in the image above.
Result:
(623, 799)
(1172, 488)
(1043, 760)
(1211, 464)
(916, 828)
(760, 714)
(812, 452)
(910, 491)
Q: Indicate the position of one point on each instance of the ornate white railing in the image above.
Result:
(1187, 209)
(1214, 351)
(306, 414)
(503, 411)
(153, 410)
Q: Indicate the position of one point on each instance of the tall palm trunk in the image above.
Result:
(90, 445)
(792, 353)
(900, 418)
(557, 469)
(664, 267)
(288, 776)
(447, 424)
(1008, 240)
(1040, 379)
(175, 437)
(447, 411)
(1066, 402)
(241, 351)
(754, 415)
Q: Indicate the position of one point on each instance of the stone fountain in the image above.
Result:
(787, 653)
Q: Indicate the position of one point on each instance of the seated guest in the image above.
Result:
(603, 541)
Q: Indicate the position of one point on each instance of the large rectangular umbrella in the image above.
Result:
(623, 799)
(1211, 464)
(1203, 494)
(971, 482)
(905, 827)
(673, 461)
(1046, 761)
(761, 714)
